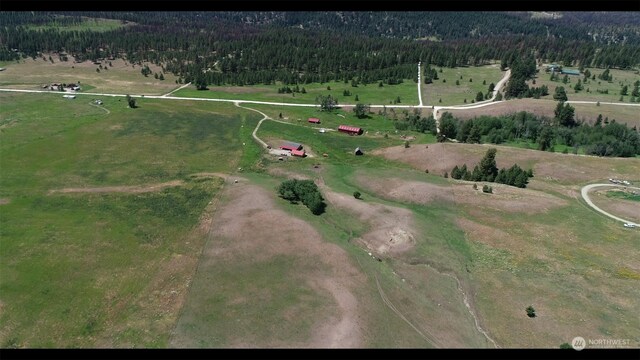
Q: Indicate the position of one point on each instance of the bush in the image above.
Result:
(446, 175)
(356, 194)
(406, 144)
(566, 346)
(531, 312)
(475, 186)
(487, 189)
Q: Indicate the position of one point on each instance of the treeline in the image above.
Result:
(222, 48)
(602, 138)
(487, 170)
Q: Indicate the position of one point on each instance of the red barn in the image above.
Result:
(314, 120)
(290, 146)
(351, 130)
(298, 153)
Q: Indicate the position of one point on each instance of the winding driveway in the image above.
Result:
(585, 196)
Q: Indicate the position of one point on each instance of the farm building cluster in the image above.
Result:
(295, 149)
(558, 68)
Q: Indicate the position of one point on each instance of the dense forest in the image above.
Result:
(243, 48)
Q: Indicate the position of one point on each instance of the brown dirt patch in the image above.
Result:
(504, 198)
(438, 158)
(535, 106)
(280, 172)
(120, 189)
(392, 228)
(4, 201)
(250, 210)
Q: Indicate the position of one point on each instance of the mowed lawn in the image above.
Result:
(104, 269)
(367, 94)
(620, 78)
(120, 77)
(444, 91)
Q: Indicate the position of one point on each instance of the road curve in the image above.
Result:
(585, 195)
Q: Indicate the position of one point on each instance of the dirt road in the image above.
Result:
(585, 196)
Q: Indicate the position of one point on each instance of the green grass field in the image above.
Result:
(445, 87)
(620, 78)
(367, 94)
(85, 270)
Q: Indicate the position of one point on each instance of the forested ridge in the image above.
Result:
(245, 48)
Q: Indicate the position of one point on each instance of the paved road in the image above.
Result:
(585, 196)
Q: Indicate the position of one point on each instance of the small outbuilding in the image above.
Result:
(314, 120)
(299, 153)
(351, 130)
(287, 145)
(69, 96)
(358, 151)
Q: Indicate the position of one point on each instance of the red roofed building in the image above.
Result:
(290, 146)
(351, 130)
(298, 153)
(314, 120)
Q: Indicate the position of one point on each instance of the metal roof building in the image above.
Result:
(314, 120)
(350, 129)
(287, 145)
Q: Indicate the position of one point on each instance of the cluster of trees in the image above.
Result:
(305, 191)
(488, 171)
(362, 111)
(602, 138)
(288, 90)
(260, 48)
(411, 120)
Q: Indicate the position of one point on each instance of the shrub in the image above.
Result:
(487, 189)
(406, 144)
(356, 194)
(531, 312)
(475, 186)
(565, 346)
(446, 175)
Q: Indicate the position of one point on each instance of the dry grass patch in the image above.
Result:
(392, 229)
(301, 293)
(438, 158)
(120, 78)
(626, 209)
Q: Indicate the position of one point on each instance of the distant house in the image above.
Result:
(299, 153)
(351, 130)
(554, 67)
(358, 152)
(570, 72)
(290, 146)
(314, 120)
